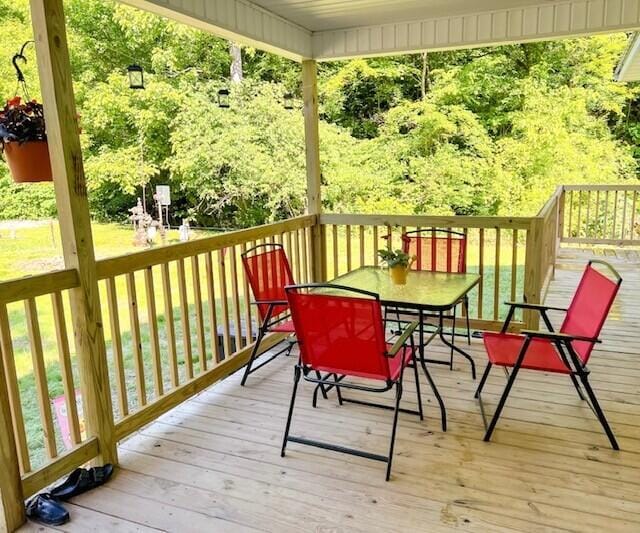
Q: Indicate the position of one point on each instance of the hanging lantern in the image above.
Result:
(288, 101)
(223, 98)
(136, 77)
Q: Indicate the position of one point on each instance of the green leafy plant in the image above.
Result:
(395, 258)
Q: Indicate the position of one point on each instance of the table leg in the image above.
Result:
(443, 412)
(454, 347)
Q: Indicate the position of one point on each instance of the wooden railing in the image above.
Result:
(178, 319)
(601, 214)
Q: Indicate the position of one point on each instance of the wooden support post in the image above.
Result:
(12, 506)
(312, 145)
(561, 204)
(533, 275)
(75, 224)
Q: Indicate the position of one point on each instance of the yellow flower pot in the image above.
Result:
(399, 274)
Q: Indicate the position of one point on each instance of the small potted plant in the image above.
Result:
(399, 264)
(23, 141)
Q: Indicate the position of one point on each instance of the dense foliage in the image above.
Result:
(481, 131)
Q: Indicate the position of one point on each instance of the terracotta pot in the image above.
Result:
(29, 162)
(399, 274)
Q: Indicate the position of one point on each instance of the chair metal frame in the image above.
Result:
(577, 369)
(332, 380)
(268, 320)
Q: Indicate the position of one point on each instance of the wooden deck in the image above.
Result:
(213, 464)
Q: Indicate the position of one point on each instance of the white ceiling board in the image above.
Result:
(321, 15)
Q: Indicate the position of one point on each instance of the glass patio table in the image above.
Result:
(424, 293)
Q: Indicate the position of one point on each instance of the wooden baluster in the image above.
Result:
(233, 263)
(480, 271)
(154, 338)
(170, 326)
(606, 213)
(633, 215)
(40, 376)
(226, 331)
(614, 219)
(496, 279)
(348, 241)
(375, 245)
(136, 340)
(184, 317)
(296, 256)
(361, 237)
(247, 295)
(514, 264)
(587, 233)
(197, 299)
(624, 215)
(570, 224)
(334, 233)
(66, 371)
(213, 321)
(579, 224)
(303, 253)
(597, 216)
(116, 346)
(9, 365)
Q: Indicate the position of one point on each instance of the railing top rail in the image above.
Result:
(123, 264)
(428, 221)
(614, 187)
(33, 286)
(548, 207)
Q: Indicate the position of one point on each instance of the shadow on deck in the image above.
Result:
(213, 463)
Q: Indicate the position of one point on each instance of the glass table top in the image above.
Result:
(424, 290)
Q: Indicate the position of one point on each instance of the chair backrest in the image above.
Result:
(340, 332)
(268, 272)
(436, 250)
(590, 306)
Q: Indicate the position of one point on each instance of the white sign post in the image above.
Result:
(163, 197)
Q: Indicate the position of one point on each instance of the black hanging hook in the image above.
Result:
(20, 56)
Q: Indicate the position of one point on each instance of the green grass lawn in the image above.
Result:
(37, 249)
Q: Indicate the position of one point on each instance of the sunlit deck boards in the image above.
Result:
(213, 464)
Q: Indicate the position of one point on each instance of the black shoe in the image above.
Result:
(81, 480)
(44, 509)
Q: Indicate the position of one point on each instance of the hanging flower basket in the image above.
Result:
(23, 141)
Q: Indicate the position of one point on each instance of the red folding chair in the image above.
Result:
(341, 335)
(565, 352)
(268, 273)
(439, 250)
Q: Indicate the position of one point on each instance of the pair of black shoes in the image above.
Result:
(46, 507)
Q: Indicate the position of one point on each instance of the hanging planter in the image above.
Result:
(23, 138)
(24, 141)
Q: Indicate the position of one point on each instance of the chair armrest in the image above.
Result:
(267, 302)
(402, 340)
(537, 307)
(557, 336)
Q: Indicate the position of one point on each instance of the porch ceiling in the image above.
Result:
(335, 29)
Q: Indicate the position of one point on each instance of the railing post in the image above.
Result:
(12, 509)
(75, 224)
(560, 234)
(532, 271)
(314, 176)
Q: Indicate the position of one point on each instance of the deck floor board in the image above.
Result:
(213, 463)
